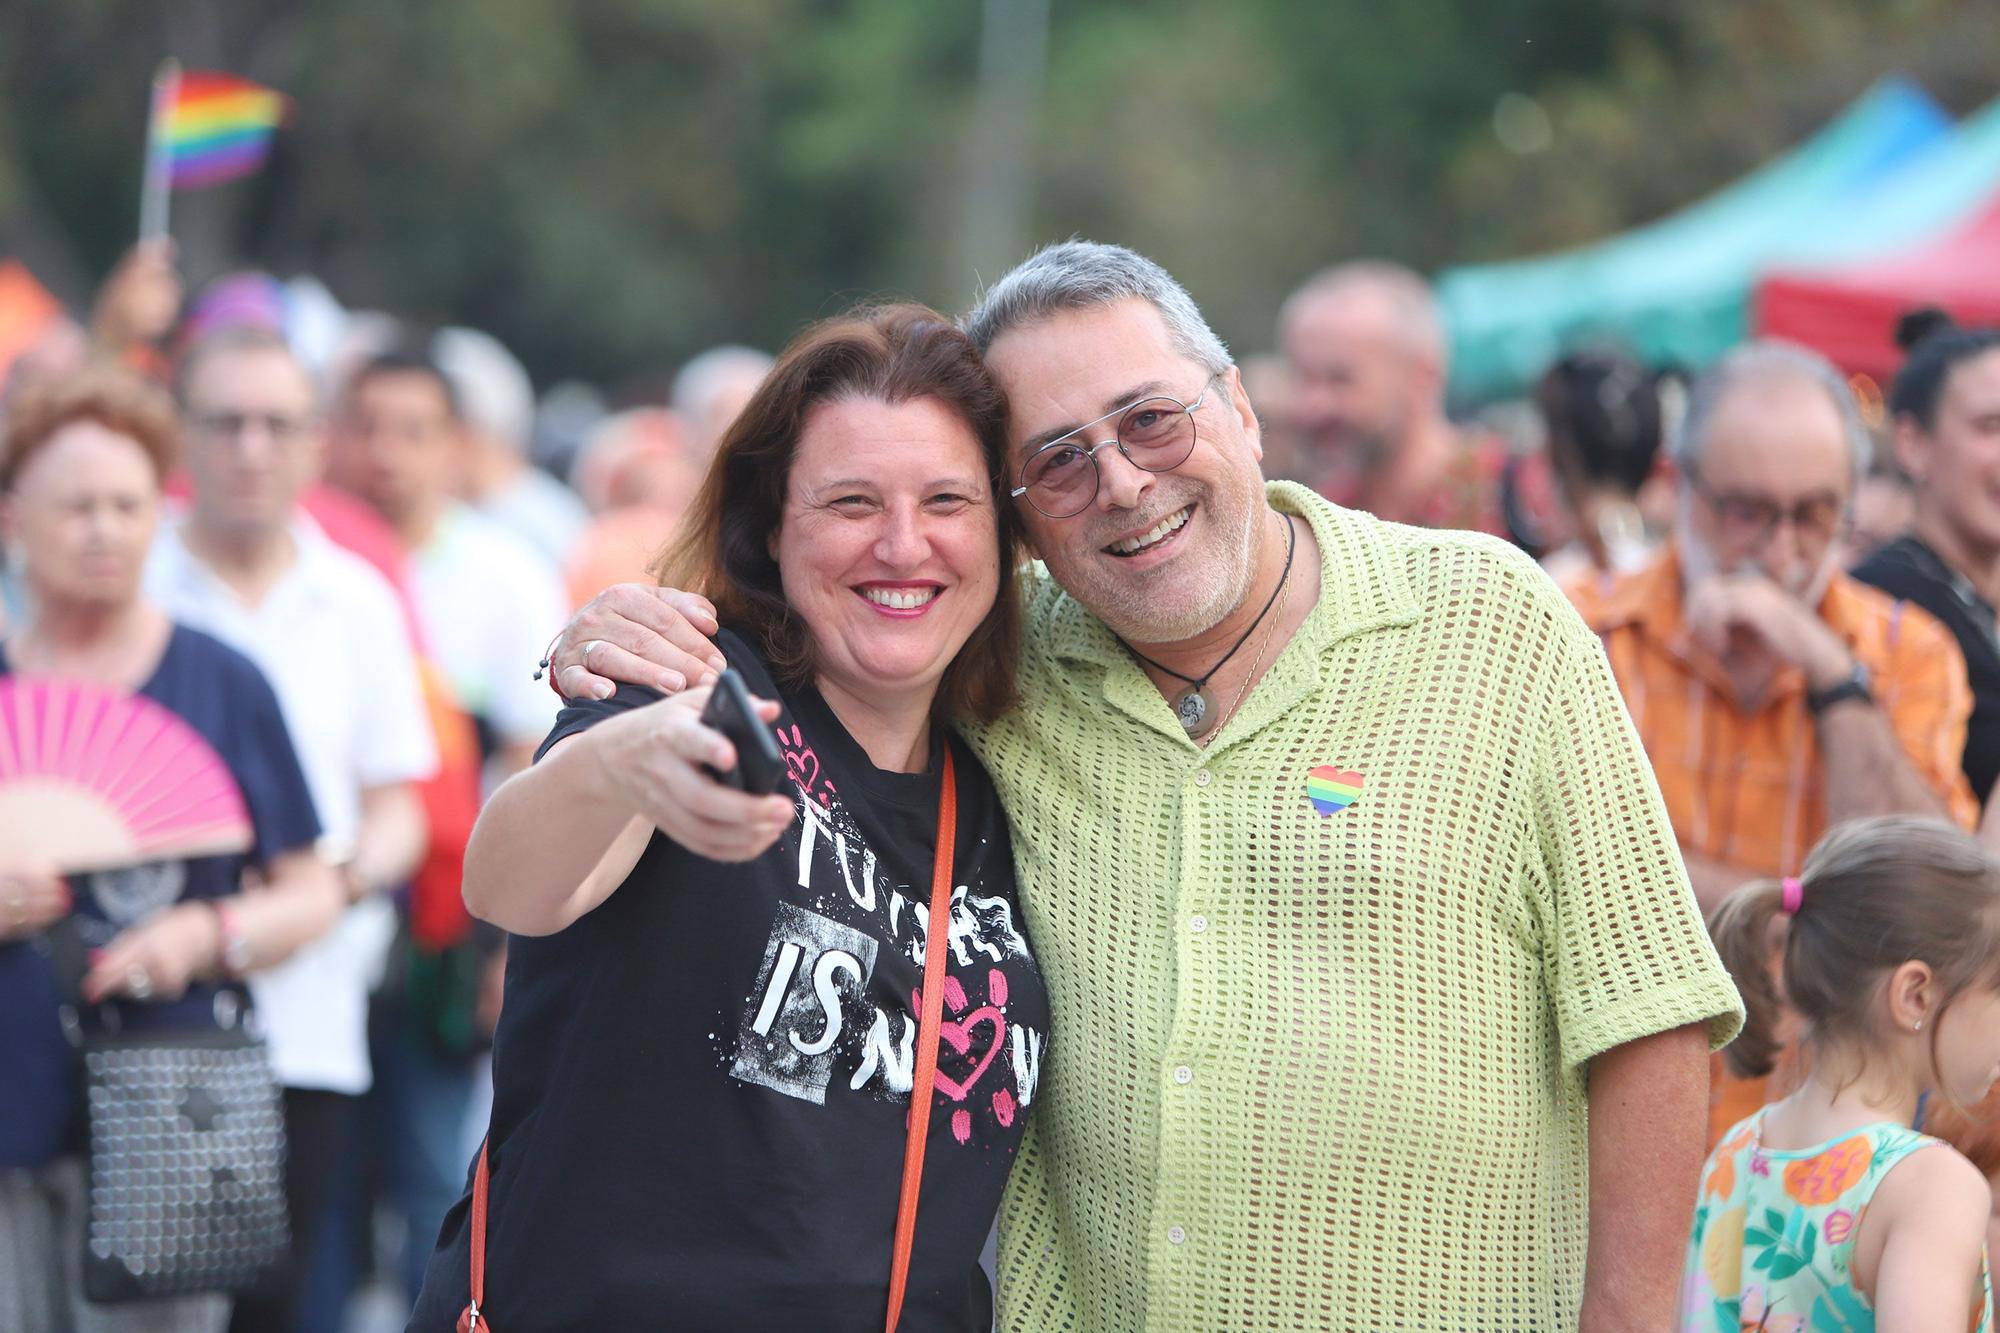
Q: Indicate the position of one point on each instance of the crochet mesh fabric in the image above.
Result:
(1321, 1066)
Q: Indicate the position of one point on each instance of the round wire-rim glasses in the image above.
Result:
(1155, 434)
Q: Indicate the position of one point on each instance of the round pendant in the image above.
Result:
(1192, 707)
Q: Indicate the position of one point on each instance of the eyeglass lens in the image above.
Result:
(1157, 435)
(1751, 517)
(232, 424)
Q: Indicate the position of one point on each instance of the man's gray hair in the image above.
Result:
(1082, 275)
(1761, 362)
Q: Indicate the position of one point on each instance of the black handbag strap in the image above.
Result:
(69, 958)
(68, 952)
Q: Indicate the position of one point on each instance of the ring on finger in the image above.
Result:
(584, 658)
(138, 984)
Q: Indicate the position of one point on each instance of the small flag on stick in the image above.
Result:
(206, 128)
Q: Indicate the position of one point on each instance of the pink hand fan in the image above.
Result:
(93, 778)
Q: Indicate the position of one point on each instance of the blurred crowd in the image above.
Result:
(392, 523)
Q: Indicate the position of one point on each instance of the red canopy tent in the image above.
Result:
(1850, 314)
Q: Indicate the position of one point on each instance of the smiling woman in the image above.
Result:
(890, 384)
(709, 1051)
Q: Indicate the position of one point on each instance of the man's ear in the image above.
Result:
(1427, 383)
(1246, 412)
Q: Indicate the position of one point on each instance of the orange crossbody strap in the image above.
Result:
(936, 930)
(470, 1319)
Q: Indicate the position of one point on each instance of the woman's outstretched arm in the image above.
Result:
(556, 839)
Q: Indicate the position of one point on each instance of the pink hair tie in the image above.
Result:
(1792, 893)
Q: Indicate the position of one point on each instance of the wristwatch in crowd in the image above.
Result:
(1854, 686)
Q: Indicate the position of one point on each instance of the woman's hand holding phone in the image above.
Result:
(662, 761)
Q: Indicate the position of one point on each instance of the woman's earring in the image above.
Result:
(1917, 1026)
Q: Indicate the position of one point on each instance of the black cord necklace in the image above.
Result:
(1192, 705)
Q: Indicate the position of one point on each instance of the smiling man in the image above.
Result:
(1383, 1002)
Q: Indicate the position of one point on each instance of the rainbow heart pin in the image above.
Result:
(1331, 789)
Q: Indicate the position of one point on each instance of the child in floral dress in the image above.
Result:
(1825, 1212)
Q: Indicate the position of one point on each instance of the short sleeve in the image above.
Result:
(396, 744)
(1625, 951)
(580, 715)
(1929, 703)
(264, 762)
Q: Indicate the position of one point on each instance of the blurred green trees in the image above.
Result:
(610, 185)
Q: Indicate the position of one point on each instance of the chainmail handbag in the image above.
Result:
(186, 1159)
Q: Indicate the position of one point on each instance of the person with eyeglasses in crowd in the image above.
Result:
(1383, 1000)
(1775, 695)
(247, 566)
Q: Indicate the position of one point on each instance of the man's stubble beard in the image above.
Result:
(1136, 614)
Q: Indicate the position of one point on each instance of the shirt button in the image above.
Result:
(1197, 924)
(1202, 778)
(1183, 1075)
(1177, 1235)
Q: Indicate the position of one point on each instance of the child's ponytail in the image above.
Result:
(1874, 894)
(1748, 929)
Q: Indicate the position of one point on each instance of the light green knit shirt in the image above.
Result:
(1319, 1056)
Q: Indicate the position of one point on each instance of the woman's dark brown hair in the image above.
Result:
(892, 353)
(1874, 894)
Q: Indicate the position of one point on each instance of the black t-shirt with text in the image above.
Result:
(701, 1087)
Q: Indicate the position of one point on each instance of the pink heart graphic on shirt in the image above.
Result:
(958, 1036)
(796, 761)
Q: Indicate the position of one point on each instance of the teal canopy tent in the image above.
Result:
(1676, 291)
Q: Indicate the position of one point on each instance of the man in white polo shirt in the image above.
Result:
(399, 442)
(247, 566)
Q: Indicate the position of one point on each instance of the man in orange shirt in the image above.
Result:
(1775, 695)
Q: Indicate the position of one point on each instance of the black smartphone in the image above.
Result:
(759, 766)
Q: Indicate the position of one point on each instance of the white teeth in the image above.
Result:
(900, 599)
(1171, 523)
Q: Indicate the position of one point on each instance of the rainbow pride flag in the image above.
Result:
(217, 127)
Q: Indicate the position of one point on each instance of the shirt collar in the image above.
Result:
(1649, 599)
(1363, 584)
(314, 552)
